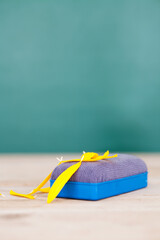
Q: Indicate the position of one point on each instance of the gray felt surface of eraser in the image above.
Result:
(104, 170)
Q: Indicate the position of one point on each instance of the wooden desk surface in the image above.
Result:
(135, 215)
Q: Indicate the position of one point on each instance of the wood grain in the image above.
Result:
(134, 215)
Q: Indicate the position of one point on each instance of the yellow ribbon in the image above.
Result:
(64, 176)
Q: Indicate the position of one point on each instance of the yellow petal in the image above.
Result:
(2, 195)
(22, 195)
(61, 181)
(45, 190)
(105, 155)
(112, 156)
(41, 185)
(72, 160)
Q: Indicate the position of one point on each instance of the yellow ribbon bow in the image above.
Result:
(64, 176)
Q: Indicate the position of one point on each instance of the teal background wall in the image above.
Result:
(79, 75)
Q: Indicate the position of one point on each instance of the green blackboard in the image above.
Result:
(79, 75)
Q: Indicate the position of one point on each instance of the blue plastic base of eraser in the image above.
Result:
(97, 191)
